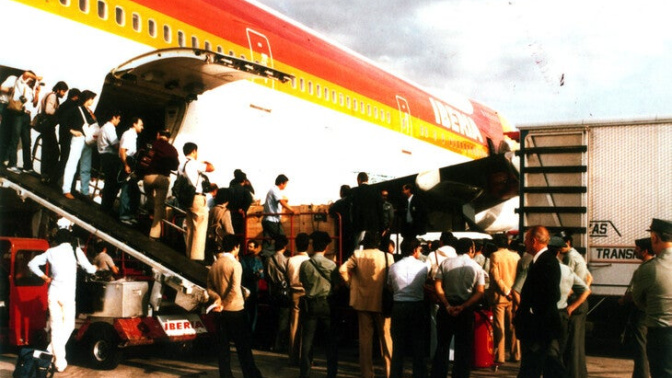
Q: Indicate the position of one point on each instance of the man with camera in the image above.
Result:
(26, 90)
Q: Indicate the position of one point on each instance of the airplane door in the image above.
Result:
(405, 124)
(260, 49)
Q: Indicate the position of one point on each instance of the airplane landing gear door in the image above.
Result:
(405, 124)
(260, 50)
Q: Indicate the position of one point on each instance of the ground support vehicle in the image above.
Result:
(165, 306)
(603, 182)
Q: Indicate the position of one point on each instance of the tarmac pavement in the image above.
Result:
(163, 362)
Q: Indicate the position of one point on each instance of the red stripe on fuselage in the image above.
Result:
(297, 48)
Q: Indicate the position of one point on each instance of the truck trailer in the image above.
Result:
(602, 182)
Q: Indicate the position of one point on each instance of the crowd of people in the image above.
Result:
(537, 295)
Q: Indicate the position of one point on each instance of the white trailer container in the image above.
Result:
(602, 181)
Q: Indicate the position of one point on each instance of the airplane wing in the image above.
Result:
(454, 194)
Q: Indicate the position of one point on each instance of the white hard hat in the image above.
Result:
(64, 223)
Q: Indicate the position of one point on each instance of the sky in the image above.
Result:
(534, 61)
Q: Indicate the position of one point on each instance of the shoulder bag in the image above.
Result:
(91, 130)
(43, 121)
(16, 106)
(429, 288)
(280, 294)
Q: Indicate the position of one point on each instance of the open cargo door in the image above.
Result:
(159, 85)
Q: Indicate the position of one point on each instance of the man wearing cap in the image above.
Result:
(575, 353)
(637, 319)
(652, 291)
(63, 259)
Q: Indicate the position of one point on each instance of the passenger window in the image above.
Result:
(137, 22)
(319, 91)
(231, 53)
(220, 50)
(333, 96)
(194, 42)
(167, 35)
(293, 82)
(65, 3)
(368, 109)
(180, 38)
(102, 9)
(354, 105)
(119, 16)
(151, 28)
(242, 57)
(326, 93)
(375, 112)
(389, 119)
(361, 106)
(347, 102)
(310, 87)
(340, 99)
(206, 46)
(84, 6)
(302, 85)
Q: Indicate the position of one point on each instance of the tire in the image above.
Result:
(102, 346)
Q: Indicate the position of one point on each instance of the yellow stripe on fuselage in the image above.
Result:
(391, 118)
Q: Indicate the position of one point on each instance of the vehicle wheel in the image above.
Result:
(102, 346)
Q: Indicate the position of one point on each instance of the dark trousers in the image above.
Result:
(20, 130)
(317, 312)
(408, 321)
(541, 357)
(233, 325)
(281, 318)
(50, 155)
(5, 131)
(271, 231)
(109, 165)
(64, 139)
(575, 353)
(659, 350)
(462, 327)
(637, 329)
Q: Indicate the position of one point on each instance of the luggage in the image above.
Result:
(33, 363)
(484, 347)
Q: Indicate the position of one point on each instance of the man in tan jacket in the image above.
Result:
(364, 273)
(503, 264)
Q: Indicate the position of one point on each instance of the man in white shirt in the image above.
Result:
(274, 205)
(460, 283)
(26, 91)
(409, 313)
(197, 214)
(108, 146)
(130, 194)
(302, 242)
(63, 260)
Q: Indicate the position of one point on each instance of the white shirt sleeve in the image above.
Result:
(84, 262)
(37, 261)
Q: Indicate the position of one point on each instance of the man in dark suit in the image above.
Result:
(537, 320)
(367, 209)
(414, 215)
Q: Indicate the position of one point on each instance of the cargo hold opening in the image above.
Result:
(159, 86)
